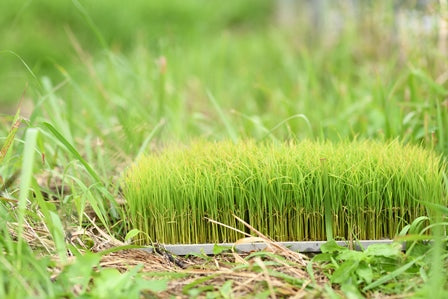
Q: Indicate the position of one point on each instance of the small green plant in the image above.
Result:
(289, 191)
(380, 266)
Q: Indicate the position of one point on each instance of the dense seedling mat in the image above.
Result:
(294, 191)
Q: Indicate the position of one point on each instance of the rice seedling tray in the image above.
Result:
(360, 190)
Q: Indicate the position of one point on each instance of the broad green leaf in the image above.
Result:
(80, 272)
(109, 279)
(351, 291)
(344, 272)
(331, 293)
(156, 285)
(365, 272)
(263, 294)
(131, 234)
(322, 257)
(391, 275)
(331, 246)
(351, 255)
(217, 249)
(419, 249)
(121, 285)
(226, 289)
(386, 250)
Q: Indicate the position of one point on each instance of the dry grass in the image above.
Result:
(277, 270)
(221, 268)
(281, 271)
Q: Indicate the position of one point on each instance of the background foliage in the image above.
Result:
(104, 82)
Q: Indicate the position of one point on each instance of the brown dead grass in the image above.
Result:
(280, 272)
(250, 274)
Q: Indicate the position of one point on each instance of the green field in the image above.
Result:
(89, 87)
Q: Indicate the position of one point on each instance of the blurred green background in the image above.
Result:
(37, 30)
(255, 68)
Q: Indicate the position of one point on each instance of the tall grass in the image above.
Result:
(372, 190)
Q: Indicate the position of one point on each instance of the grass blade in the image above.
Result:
(392, 274)
(52, 221)
(301, 116)
(91, 23)
(73, 151)
(25, 182)
(12, 133)
(150, 137)
(425, 78)
(440, 127)
(23, 62)
(230, 129)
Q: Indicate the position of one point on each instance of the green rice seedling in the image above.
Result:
(289, 191)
